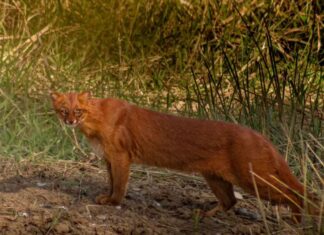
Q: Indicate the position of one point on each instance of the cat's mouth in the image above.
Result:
(72, 124)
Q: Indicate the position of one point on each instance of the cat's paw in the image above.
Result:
(213, 211)
(104, 199)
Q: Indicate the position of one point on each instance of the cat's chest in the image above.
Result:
(97, 147)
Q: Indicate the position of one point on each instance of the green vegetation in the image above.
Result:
(257, 63)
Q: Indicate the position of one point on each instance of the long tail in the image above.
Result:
(303, 198)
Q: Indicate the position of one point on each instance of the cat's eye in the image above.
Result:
(78, 112)
(64, 112)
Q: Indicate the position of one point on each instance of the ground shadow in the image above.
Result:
(163, 204)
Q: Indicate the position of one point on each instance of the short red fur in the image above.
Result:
(224, 154)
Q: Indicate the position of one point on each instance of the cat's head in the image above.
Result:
(71, 108)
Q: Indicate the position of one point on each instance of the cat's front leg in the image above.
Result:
(110, 177)
(119, 168)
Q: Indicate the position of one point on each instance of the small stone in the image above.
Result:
(40, 184)
(23, 214)
(62, 207)
(37, 220)
(102, 217)
(62, 228)
(238, 195)
(155, 203)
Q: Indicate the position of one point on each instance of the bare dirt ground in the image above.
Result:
(58, 198)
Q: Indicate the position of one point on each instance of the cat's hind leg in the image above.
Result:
(224, 192)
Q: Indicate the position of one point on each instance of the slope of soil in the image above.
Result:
(58, 198)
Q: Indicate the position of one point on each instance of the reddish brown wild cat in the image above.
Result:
(225, 154)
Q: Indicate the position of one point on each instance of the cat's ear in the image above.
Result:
(84, 96)
(55, 95)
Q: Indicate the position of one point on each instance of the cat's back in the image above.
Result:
(169, 126)
(166, 121)
(200, 131)
(157, 125)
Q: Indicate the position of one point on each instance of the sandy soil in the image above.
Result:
(58, 198)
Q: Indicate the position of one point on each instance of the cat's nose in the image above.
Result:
(70, 122)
